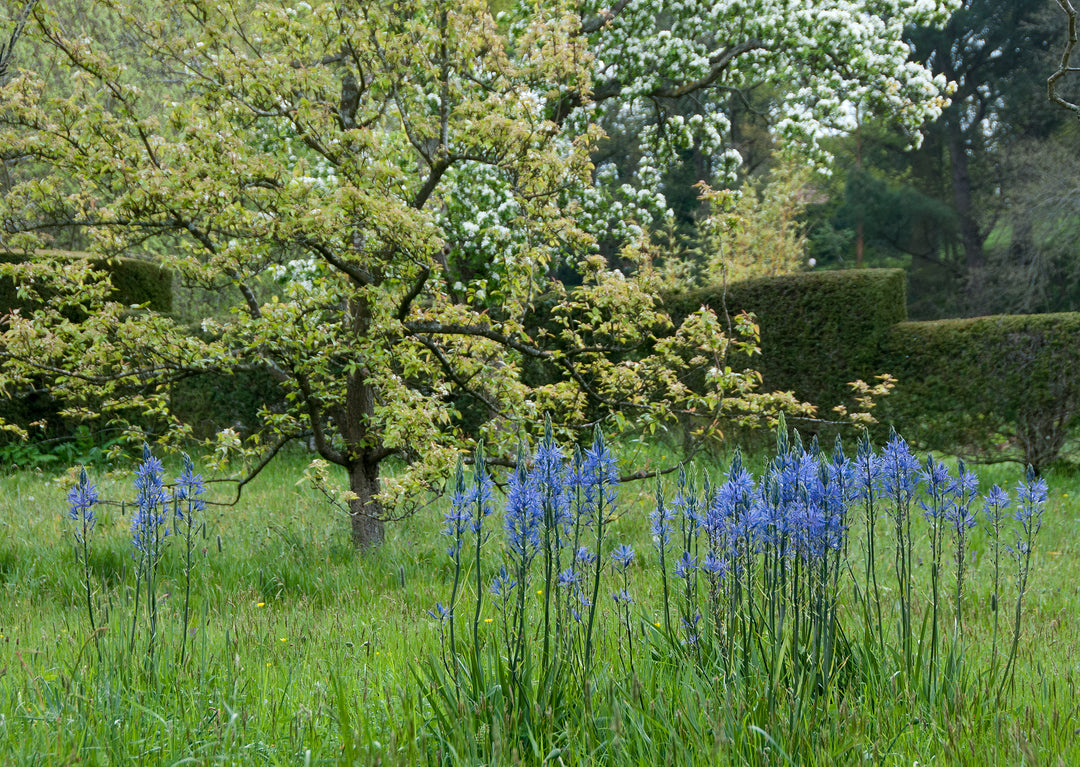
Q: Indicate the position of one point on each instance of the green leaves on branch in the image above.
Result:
(382, 195)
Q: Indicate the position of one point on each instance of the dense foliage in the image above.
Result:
(383, 190)
(997, 387)
(819, 330)
(31, 411)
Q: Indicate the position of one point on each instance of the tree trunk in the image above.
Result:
(1026, 280)
(860, 238)
(971, 239)
(366, 510)
(362, 442)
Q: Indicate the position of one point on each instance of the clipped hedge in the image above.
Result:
(213, 401)
(819, 330)
(134, 281)
(1003, 388)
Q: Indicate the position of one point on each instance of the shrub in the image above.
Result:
(759, 231)
(134, 282)
(819, 330)
(998, 388)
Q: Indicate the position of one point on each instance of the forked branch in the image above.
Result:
(1065, 65)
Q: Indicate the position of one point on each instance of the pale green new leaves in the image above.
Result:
(382, 190)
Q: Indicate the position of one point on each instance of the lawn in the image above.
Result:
(301, 651)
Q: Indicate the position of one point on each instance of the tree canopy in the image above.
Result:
(973, 212)
(383, 192)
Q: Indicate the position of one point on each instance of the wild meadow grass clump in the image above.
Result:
(773, 622)
(800, 607)
(160, 512)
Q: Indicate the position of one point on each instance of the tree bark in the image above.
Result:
(362, 443)
(971, 239)
(860, 239)
(366, 510)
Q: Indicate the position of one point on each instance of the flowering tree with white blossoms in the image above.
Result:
(385, 188)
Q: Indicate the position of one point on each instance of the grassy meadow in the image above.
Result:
(301, 651)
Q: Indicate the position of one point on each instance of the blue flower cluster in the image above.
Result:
(763, 557)
(557, 510)
(156, 507)
(153, 501)
(149, 523)
(750, 567)
(801, 504)
(81, 501)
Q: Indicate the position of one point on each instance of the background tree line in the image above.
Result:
(370, 200)
(981, 211)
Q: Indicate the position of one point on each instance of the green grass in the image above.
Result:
(303, 651)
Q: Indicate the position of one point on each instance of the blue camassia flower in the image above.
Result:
(685, 565)
(190, 487)
(502, 584)
(730, 515)
(148, 524)
(965, 488)
(440, 613)
(714, 565)
(599, 475)
(623, 556)
(995, 504)
(1030, 501)
(661, 518)
(867, 470)
(81, 501)
(569, 578)
(899, 470)
(585, 555)
(524, 515)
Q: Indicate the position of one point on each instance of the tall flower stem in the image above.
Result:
(456, 529)
(1031, 498)
(148, 532)
(186, 503)
(997, 501)
(939, 486)
(661, 532)
(481, 497)
(867, 468)
(81, 501)
(601, 475)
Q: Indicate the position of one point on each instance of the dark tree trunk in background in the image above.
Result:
(860, 234)
(971, 238)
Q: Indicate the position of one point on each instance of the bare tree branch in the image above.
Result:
(600, 20)
(7, 50)
(1064, 67)
(717, 64)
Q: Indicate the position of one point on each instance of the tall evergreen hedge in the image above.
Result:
(819, 330)
(1001, 388)
(134, 281)
(1004, 387)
